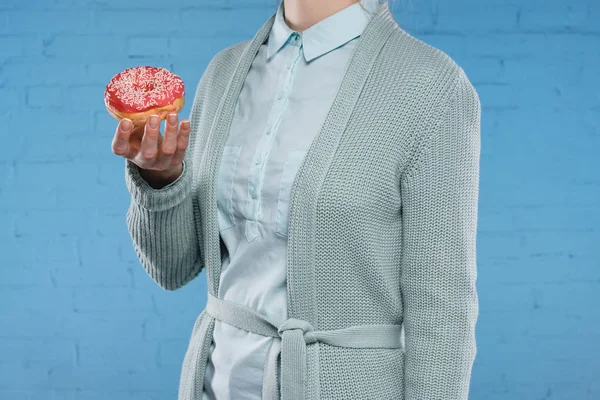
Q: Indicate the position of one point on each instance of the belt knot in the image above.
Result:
(295, 325)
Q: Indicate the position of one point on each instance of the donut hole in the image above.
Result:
(145, 86)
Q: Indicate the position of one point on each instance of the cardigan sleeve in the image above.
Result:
(162, 227)
(439, 192)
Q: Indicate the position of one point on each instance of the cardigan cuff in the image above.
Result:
(157, 199)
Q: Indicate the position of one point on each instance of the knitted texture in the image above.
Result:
(382, 218)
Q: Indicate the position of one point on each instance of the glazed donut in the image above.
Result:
(138, 92)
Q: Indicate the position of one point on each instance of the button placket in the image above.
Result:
(263, 149)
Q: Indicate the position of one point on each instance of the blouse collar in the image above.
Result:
(326, 35)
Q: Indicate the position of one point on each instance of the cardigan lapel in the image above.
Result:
(302, 295)
(214, 152)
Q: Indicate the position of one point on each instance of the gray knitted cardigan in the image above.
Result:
(382, 226)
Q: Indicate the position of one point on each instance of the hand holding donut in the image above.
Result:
(140, 98)
(160, 159)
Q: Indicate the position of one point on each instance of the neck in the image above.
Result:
(302, 14)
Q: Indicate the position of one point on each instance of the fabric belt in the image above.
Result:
(294, 335)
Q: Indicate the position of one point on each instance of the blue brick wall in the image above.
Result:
(80, 319)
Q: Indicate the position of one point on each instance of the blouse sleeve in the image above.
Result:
(439, 192)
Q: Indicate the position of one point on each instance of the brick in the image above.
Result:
(117, 379)
(15, 379)
(24, 326)
(41, 301)
(145, 47)
(215, 22)
(47, 21)
(132, 22)
(108, 300)
(54, 72)
(44, 97)
(92, 276)
(557, 18)
(24, 275)
(90, 48)
(171, 352)
(35, 352)
(107, 352)
(93, 326)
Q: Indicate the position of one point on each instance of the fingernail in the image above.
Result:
(185, 125)
(126, 124)
(154, 121)
(172, 119)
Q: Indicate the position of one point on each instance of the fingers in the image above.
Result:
(150, 139)
(169, 144)
(182, 142)
(120, 143)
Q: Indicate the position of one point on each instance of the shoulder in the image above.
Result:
(435, 74)
(226, 59)
(220, 69)
(435, 88)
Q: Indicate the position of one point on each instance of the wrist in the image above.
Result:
(159, 179)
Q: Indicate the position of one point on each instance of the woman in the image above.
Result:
(329, 190)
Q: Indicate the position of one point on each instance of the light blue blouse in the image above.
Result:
(284, 100)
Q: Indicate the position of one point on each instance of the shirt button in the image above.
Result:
(268, 131)
(288, 66)
(257, 160)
